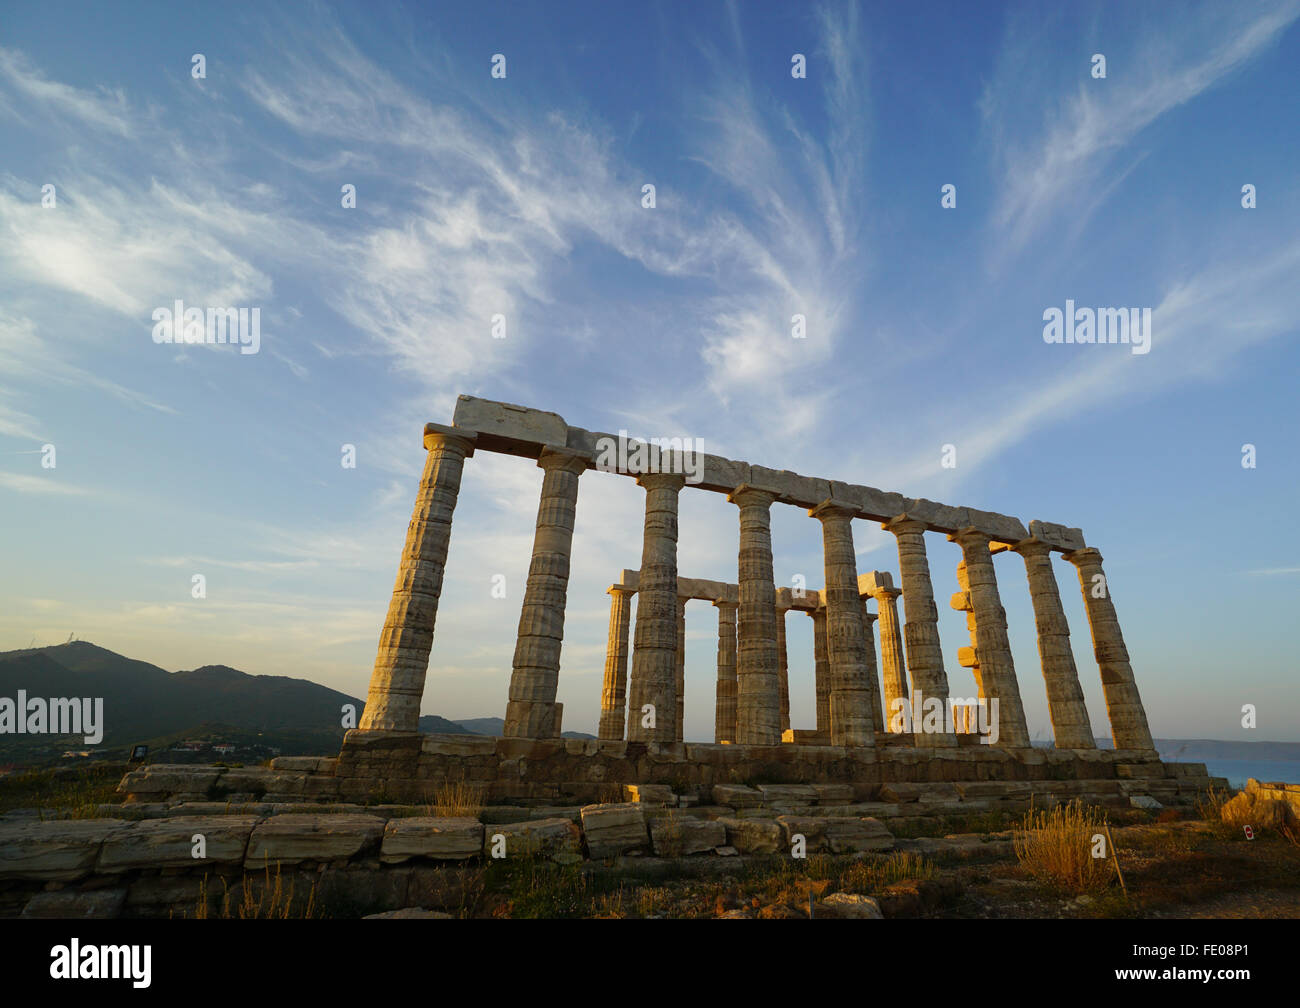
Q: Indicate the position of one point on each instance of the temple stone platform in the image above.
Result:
(384, 766)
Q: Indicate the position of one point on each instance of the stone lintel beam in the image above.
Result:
(876, 581)
(518, 430)
(510, 429)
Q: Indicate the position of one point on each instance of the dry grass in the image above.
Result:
(1056, 848)
(457, 799)
(272, 902)
(872, 876)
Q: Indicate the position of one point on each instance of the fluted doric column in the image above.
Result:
(1070, 725)
(1128, 718)
(402, 661)
(992, 648)
(921, 626)
(873, 668)
(850, 711)
(613, 697)
(782, 670)
(821, 671)
(654, 652)
(531, 711)
(891, 651)
(758, 699)
(724, 724)
(681, 669)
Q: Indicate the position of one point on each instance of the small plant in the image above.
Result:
(871, 876)
(273, 900)
(1057, 848)
(457, 799)
(671, 838)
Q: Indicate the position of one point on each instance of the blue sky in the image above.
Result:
(522, 197)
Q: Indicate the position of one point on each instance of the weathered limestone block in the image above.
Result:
(288, 839)
(1143, 801)
(811, 828)
(849, 906)
(170, 843)
(894, 791)
(650, 794)
(833, 793)
(611, 830)
(993, 789)
(440, 838)
(737, 795)
(675, 836)
(557, 839)
(59, 851)
(788, 794)
(259, 780)
(69, 904)
(509, 428)
(459, 745)
(754, 836)
(165, 778)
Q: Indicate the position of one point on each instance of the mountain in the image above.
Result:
(496, 725)
(144, 703)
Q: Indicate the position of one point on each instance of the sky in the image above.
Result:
(923, 368)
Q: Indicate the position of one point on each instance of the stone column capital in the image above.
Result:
(752, 495)
(1031, 547)
(970, 537)
(834, 508)
(886, 595)
(1088, 556)
(661, 481)
(726, 604)
(616, 589)
(563, 459)
(903, 524)
(436, 435)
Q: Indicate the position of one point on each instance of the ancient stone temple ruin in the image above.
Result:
(859, 736)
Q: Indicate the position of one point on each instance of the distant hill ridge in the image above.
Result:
(143, 702)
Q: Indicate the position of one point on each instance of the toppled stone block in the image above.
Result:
(557, 839)
(171, 843)
(754, 836)
(59, 851)
(847, 836)
(611, 830)
(167, 778)
(443, 839)
(678, 837)
(288, 839)
(897, 792)
(811, 828)
(849, 906)
(69, 904)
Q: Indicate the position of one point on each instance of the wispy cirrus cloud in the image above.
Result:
(30, 91)
(1050, 165)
